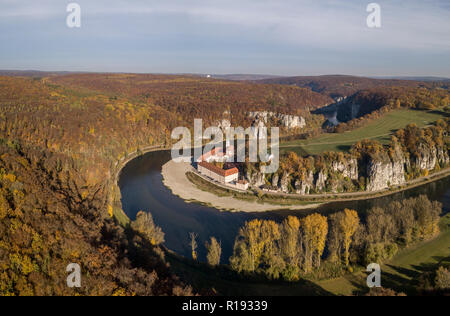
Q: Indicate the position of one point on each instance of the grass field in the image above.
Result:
(400, 273)
(380, 130)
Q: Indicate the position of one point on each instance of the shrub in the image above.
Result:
(291, 273)
(379, 252)
(442, 278)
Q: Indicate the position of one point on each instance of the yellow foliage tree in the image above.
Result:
(110, 211)
(3, 206)
(348, 224)
(252, 233)
(290, 241)
(315, 230)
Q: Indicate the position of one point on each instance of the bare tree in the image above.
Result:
(193, 237)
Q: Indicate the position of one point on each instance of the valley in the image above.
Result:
(214, 155)
(86, 137)
(380, 130)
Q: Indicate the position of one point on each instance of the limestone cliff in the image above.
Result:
(275, 180)
(386, 170)
(427, 157)
(287, 121)
(370, 166)
(348, 169)
(255, 179)
(303, 186)
(381, 175)
(284, 183)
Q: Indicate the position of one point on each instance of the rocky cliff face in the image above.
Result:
(348, 169)
(428, 157)
(381, 171)
(275, 180)
(291, 121)
(381, 175)
(255, 179)
(320, 180)
(284, 183)
(442, 157)
(285, 120)
(387, 171)
(303, 186)
(223, 124)
(358, 105)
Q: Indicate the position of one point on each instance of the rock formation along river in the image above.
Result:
(142, 188)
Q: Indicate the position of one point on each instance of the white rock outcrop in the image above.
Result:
(285, 120)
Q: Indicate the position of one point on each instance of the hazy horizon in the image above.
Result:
(227, 74)
(283, 38)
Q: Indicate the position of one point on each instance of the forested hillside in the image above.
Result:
(373, 103)
(61, 139)
(58, 148)
(50, 217)
(338, 86)
(194, 97)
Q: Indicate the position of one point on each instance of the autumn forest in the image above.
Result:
(64, 138)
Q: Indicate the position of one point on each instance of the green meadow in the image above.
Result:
(403, 271)
(380, 130)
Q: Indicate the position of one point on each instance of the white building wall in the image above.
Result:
(231, 178)
(210, 174)
(242, 186)
(217, 177)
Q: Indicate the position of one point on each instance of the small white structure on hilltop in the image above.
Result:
(208, 76)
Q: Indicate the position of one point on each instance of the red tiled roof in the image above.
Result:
(217, 170)
(215, 152)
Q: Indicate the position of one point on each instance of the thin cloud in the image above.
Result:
(327, 26)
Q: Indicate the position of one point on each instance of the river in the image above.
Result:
(141, 187)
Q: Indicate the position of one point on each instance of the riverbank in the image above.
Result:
(359, 195)
(401, 273)
(174, 177)
(115, 195)
(142, 188)
(212, 195)
(292, 199)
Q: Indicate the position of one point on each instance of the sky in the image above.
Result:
(279, 37)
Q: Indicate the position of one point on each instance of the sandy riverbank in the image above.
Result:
(174, 177)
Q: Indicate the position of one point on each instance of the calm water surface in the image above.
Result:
(142, 189)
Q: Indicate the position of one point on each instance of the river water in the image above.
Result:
(141, 187)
